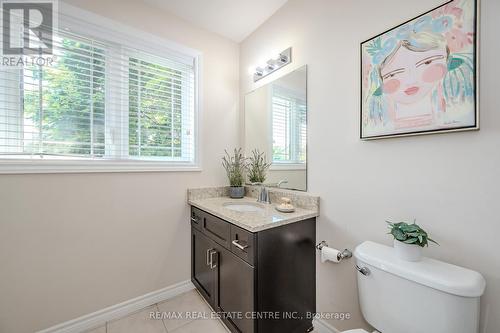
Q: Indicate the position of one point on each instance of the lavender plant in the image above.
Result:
(257, 167)
(235, 167)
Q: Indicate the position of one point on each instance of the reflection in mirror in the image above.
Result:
(276, 123)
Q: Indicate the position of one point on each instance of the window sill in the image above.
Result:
(58, 166)
(287, 166)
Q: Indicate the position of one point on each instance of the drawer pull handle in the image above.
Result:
(208, 257)
(212, 264)
(238, 245)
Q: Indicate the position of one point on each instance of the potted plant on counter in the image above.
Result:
(257, 167)
(409, 240)
(235, 168)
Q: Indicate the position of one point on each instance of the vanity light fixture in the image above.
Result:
(272, 65)
(259, 72)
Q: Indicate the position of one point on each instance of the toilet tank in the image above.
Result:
(428, 296)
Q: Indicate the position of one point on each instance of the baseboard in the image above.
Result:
(99, 318)
(321, 326)
(123, 309)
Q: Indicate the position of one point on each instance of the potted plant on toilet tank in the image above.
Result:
(235, 168)
(409, 240)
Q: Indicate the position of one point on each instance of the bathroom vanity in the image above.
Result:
(256, 268)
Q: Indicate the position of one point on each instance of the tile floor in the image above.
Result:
(200, 320)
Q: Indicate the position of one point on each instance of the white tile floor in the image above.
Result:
(191, 302)
(201, 320)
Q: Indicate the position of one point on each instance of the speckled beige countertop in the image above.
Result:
(213, 200)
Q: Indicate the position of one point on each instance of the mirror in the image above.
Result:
(276, 124)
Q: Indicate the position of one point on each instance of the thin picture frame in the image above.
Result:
(476, 74)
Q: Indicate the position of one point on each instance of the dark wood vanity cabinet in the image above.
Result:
(262, 282)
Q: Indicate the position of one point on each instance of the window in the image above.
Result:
(289, 126)
(158, 125)
(61, 109)
(99, 101)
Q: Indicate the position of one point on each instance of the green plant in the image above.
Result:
(235, 167)
(410, 233)
(257, 167)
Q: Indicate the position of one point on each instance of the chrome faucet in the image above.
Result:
(283, 181)
(264, 194)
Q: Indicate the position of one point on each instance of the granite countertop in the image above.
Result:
(213, 200)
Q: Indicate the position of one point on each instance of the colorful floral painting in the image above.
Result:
(420, 77)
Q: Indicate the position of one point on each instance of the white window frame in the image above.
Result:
(87, 24)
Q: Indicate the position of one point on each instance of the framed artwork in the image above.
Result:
(421, 76)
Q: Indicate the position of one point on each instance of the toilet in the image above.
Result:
(399, 296)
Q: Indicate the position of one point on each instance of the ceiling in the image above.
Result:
(234, 19)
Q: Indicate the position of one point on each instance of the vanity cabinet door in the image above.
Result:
(203, 273)
(235, 292)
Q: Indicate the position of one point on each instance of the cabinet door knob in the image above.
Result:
(238, 245)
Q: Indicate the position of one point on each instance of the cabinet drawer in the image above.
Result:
(243, 244)
(197, 218)
(217, 229)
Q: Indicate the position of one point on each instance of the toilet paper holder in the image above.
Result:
(345, 254)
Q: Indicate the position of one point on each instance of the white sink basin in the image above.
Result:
(243, 206)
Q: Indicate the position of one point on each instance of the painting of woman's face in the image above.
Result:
(409, 75)
(420, 76)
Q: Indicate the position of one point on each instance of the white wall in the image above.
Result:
(449, 182)
(73, 244)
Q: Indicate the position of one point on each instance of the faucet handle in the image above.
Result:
(283, 181)
(264, 195)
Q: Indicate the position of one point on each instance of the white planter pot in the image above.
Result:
(408, 252)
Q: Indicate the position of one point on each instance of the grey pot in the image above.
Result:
(236, 192)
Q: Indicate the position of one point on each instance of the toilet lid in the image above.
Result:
(358, 330)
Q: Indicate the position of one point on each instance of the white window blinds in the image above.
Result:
(100, 101)
(160, 109)
(289, 126)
